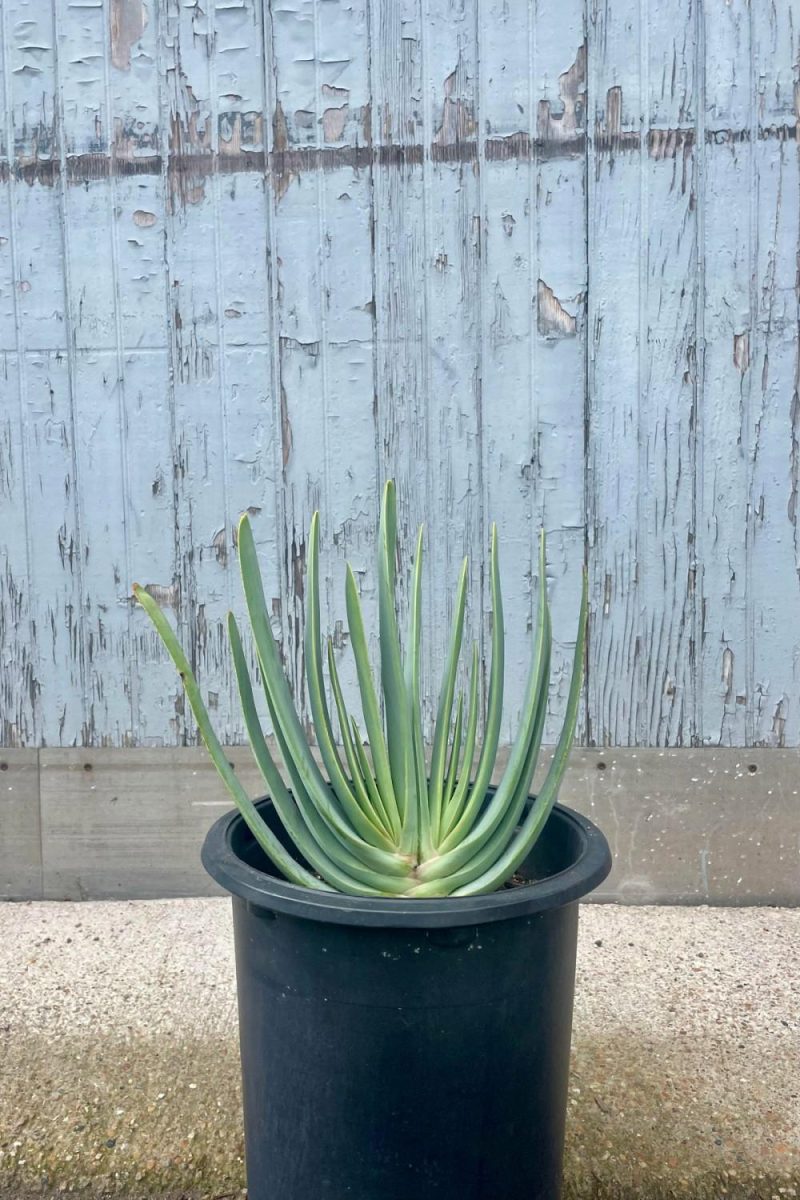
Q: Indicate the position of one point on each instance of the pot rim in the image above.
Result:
(590, 867)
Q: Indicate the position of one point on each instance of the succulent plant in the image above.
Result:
(388, 823)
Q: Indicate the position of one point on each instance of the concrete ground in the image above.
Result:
(119, 1071)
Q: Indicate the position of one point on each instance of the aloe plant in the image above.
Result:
(388, 823)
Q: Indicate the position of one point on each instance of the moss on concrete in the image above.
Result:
(161, 1118)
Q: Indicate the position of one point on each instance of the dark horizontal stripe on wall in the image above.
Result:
(282, 164)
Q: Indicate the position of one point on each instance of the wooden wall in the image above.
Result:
(535, 259)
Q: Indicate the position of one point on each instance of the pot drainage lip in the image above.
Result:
(589, 868)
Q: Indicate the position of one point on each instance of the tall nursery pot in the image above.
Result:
(400, 1049)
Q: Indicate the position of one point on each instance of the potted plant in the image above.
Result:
(405, 933)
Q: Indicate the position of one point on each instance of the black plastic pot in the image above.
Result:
(406, 1049)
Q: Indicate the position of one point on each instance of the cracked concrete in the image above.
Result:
(120, 1063)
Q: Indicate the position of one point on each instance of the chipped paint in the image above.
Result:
(128, 22)
(268, 257)
(552, 318)
(566, 125)
(741, 351)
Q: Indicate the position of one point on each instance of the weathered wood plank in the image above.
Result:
(508, 102)
(774, 576)
(613, 493)
(322, 242)
(19, 668)
(669, 397)
(54, 629)
(18, 652)
(642, 393)
(559, 367)
(452, 278)
(724, 333)
(197, 332)
(135, 120)
(400, 262)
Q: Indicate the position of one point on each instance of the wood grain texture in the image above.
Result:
(538, 263)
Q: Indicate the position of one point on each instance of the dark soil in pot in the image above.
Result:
(406, 1049)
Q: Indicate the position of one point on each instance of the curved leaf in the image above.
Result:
(455, 806)
(319, 704)
(491, 733)
(540, 810)
(356, 880)
(455, 753)
(417, 824)
(445, 708)
(295, 750)
(369, 699)
(460, 847)
(266, 839)
(399, 734)
(366, 790)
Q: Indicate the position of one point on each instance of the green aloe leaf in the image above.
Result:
(445, 709)
(369, 699)
(455, 753)
(484, 851)
(519, 849)
(455, 805)
(319, 705)
(460, 846)
(417, 824)
(398, 717)
(295, 750)
(313, 840)
(491, 733)
(266, 839)
(365, 788)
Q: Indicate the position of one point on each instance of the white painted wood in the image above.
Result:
(559, 368)
(774, 582)
(536, 262)
(726, 379)
(613, 488)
